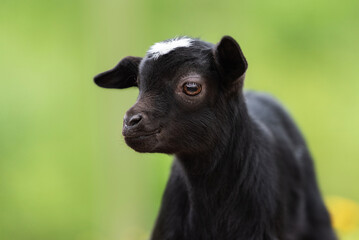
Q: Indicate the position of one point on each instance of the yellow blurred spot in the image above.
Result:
(344, 214)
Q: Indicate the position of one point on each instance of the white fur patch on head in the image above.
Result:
(162, 48)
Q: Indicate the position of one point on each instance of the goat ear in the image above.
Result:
(123, 75)
(230, 61)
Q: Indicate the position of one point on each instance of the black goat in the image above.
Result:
(242, 169)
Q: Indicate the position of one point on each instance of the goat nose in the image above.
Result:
(134, 120)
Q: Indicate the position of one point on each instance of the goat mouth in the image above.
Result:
(143, 141)
(142, 135)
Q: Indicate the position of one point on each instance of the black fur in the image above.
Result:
(241, 170)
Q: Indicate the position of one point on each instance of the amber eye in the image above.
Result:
(192, 88)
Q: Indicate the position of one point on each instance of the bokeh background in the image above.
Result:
(65, 171)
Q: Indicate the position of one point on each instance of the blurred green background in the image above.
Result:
(65, 171)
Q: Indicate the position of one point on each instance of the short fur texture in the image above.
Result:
(242, 170)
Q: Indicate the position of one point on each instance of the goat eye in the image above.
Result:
(192, 88)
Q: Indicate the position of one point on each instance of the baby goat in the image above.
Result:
(242, 169)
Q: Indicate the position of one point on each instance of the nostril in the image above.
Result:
(134, 120)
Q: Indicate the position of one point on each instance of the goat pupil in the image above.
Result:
(192, 88)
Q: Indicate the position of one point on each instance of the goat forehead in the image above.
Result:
(164, 47)
(152, 72)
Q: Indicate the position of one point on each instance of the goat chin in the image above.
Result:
(143, 144)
